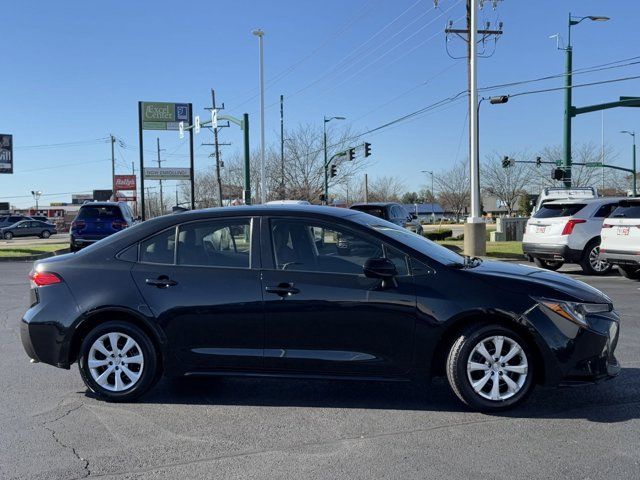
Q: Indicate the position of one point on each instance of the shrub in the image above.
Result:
(440, 234)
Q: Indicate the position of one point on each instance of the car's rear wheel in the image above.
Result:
(118, 362)
(591, 262)
(45, 234)
(548, 264)
(8, 235)
(632, 273)
(490, 367)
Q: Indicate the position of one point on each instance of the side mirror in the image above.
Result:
(379, 268)
(414, 216)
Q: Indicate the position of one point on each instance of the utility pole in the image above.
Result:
(263, 184)
(282, 190)
(366, 188)
(160, 165)
(215, 137)
(475, 227)
(113, 164)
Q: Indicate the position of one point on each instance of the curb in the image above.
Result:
(32, 258)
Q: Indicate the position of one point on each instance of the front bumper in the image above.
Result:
(552, 252)
(620, 257)
(575, 355)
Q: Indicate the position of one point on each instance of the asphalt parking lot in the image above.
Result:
(246, 428)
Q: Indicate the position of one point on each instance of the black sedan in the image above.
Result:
(28, 228)
(263, 291)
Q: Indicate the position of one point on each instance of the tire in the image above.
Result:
(590, 262)
(136, 377)
(632, 273)
(8, 236)
(73, 248)
(548, 264)
(465, 351)
(45, 234)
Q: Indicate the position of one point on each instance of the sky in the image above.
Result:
(72, 73)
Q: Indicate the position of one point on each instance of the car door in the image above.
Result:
(201, 281)
(322, 315)
(21, 229)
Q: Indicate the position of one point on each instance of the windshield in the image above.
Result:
(417, 242)
(558, 210)
(374, 210)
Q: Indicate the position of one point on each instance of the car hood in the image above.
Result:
(516, 277)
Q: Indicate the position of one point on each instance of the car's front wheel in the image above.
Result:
(548, 264)
(632, 273)
(490, 367)
(118, 362)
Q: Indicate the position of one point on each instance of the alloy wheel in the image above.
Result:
(497, 368)
(596, 263)
(115, 361)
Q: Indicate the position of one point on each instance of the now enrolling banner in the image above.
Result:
(167, 173)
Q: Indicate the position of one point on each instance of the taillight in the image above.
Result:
(568, 228)
(42, 279)
(118, 225)
(607, 225)
(78, 224)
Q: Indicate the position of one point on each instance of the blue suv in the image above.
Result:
(97, 220)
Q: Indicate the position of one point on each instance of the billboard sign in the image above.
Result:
(166, 173)
(4, 206)
(102, 195)
(163, 115)
(124, 182)
(80, 198)
(6, 153)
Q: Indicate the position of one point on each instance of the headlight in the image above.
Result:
(575, 312)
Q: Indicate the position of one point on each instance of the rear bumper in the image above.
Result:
(620, 257)
(552, 252)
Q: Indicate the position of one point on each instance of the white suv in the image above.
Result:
(568, 231)
(620, 235)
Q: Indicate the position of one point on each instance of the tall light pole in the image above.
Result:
(433, 196)
(263, 193)
(36, 195)
(326, 165)
(635, 172)
(566, 161)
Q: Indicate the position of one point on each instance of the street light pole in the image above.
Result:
(263, 193)
(566, 161)
(433, 196)
(326, 156)
(36, 195)
(635, 172)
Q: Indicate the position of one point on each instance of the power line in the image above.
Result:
(590, 84)
(65, 144)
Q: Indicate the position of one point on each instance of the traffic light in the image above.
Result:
(352, 155)
(538, 161)
(334, 170)
(367, 149)
(557, 174)
(507, 162)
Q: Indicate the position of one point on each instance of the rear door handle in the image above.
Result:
(283, 289)
(161, 282)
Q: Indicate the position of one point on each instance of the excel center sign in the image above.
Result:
(163, 115)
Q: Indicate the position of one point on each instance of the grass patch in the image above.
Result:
(28, 251)
(495, 249)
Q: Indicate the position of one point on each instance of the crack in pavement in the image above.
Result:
(64, 445)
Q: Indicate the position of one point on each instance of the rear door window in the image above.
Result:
(627, 210)
(215, 243)
(160, 248)
(559, 210)
(374, 210)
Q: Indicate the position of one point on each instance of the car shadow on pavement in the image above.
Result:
(617, 400)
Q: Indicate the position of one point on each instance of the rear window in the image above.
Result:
(627, 210)
(103, 212)
(370, 209)
(558, 210)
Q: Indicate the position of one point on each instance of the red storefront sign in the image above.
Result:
(124, 182)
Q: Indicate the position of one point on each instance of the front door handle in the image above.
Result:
(283, 289)
(161, 282)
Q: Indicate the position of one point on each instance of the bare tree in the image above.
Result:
(386, 189)
(506, 184)
(454, 187)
